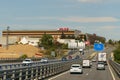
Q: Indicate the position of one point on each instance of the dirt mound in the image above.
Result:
(15, 51)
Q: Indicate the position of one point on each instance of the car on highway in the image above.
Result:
(86, 63)
(77, 57)
(69, 57)
(100, 66)
(93, 60)
(44, 60)
(27, 62)
(63, 59)
(76, 68)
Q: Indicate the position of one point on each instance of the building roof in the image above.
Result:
(36, 32)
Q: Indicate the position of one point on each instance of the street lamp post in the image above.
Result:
(7, 37)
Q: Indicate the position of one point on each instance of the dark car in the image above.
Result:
(77, 57)
(64, 59)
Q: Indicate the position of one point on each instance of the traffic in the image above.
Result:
(88, 69)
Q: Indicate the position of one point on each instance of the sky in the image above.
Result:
(90, 16)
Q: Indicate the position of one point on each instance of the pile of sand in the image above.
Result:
(15, 51)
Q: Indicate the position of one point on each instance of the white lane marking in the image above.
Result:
(86, 73)
(111, 72)
(90, 70)
(58, 75)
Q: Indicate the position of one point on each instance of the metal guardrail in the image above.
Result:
(36, 72)
(13, 60)
(115, 66)
(17, 65)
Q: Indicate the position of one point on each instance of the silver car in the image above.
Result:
(44, 60)
(27, 61)
(100, 66)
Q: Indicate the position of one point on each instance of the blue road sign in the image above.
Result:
(98, 46)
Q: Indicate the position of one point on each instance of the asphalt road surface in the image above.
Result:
(88, 74)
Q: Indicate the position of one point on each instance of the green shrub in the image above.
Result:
(23, 56)
(117, 55)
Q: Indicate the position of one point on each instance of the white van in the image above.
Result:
(86, 63)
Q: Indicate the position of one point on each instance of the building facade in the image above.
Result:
(56, 34)
(37, 34)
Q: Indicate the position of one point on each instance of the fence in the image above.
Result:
(37, 71)
(115, 66)
(12, 60)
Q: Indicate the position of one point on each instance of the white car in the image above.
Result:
(93, 60)
(76, 68)
(44, 60)
(27, 61)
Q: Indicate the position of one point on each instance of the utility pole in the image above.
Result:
(7, 37)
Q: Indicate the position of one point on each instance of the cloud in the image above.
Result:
(89, 19)
(25, 26)
(107, 31)
(110, 28)
(35, 18)
(110, 32)
(73, 19)
(98, 1)
(106, 28)
(90, 1)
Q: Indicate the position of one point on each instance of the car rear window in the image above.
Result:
(28, 60)
(75, 66)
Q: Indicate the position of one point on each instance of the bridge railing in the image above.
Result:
(115, 66)
(36, 72)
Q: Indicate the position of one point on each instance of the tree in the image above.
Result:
(103, 40)
(110, 41)
(47, 40)
(117, 54)
(119, 41)
(51, 45)
(23, 56)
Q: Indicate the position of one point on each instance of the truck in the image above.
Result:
(102, 57)
(86, 63)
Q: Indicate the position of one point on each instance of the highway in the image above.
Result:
(56, 70)
(88, 73)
